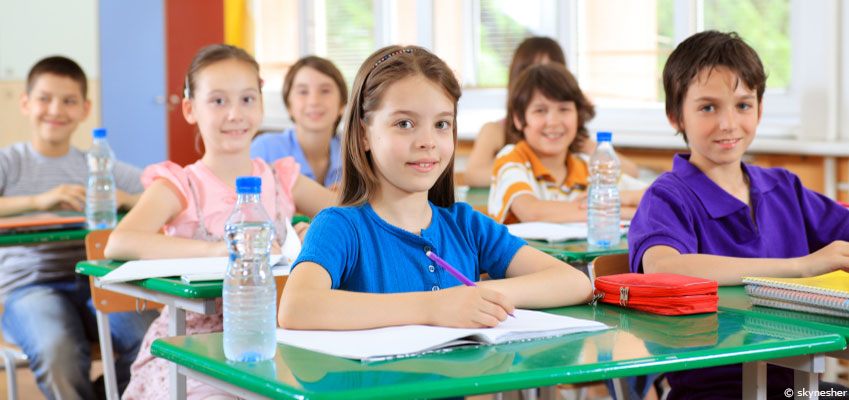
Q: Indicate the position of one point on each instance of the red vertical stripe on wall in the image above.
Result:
(189, 26)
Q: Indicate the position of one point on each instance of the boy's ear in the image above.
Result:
(23, 103)
(517, 124)
(188, 111)
(672, 121)
(86, 108)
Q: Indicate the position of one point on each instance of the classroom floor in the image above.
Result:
(27, 389)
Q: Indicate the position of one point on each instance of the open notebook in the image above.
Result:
(188, 269)
(408, 340)
(823, 294)
(554, 232)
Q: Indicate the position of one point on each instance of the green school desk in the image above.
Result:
(197, 297)
(43, 237)
(639, 343)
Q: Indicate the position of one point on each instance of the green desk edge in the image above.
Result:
(735, 299)
(172, 286)
(543, 367)
(42, 237)
(577, 251)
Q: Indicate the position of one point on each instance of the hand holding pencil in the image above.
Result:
(485, 307)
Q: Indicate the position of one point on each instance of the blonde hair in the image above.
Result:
(380, 70)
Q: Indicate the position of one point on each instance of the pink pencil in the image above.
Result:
(451, 270)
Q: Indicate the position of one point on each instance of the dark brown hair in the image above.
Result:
(379, 71)
(324, 66)
(530, 50)
(210, 55)
(708, 50)
(61, 66)
(556, 83)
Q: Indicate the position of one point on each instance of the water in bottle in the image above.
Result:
(249, 292)
(101, 204)
(603, 198)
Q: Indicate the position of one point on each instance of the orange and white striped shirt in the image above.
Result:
(518, 170)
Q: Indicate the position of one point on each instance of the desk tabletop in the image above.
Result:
(735, 299)
(639, 343)
(172, 286)
(578, 250)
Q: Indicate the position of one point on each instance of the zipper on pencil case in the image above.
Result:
(658, 291)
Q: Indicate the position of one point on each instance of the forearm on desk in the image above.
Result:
(528, 208)
(556, 285)
(12, 205)
(126, 244)
(727, 271)
(310, 308)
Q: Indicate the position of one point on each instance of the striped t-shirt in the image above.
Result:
(518, 170)
(25, 172)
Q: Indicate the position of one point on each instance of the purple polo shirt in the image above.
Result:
(686, 210)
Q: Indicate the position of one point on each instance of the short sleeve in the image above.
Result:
(825, 219)
(331, 242)
(128, 178)
(174, 174)
(661, 219)
(496, 246)
(287, 171)
(510, 179)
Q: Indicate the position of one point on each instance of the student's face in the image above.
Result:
(550, 125)
(314, 101)
(55, 107)
(227, 106)
(411, 136)
(719, 116)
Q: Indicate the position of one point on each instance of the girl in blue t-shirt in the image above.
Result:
(364, 265)
(315, 93)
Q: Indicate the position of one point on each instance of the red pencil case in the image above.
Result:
(666, 294)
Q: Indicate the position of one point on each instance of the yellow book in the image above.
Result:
(834, 283)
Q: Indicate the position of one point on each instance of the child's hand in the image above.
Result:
(301, 230)
(275, 247)
(829, 258)
(581, 199)
(469, 307)
(68, 197)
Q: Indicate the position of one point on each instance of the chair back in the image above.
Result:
(609, 264)
(104, 300)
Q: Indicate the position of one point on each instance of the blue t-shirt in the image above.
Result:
(273, 146)
(364, 253)
(686, 210)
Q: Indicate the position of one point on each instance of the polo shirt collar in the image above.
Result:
(573, 165)
(714, 199)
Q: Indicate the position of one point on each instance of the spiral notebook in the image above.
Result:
(826, 294)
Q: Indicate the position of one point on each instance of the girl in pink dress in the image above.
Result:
(191, 204)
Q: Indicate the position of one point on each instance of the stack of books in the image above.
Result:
(826, 294)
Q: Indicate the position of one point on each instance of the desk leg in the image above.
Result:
(754, 380)
(620, 387)
(107, 355)
(806, 383)
(176, 327)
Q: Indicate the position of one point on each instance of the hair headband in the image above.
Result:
(388, 56)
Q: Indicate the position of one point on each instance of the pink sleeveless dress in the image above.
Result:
(207, 203)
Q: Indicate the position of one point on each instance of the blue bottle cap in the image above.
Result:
(99, 133)
(248, 185)
(603, 136)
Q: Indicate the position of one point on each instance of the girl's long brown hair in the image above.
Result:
(380, 70)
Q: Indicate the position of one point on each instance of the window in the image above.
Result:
(616, 48)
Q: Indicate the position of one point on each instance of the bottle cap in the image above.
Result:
(99, 133)
(603, 136)
(248, 185)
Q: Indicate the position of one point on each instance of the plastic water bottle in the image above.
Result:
(100, 202)
(603, 199)
(250, 317)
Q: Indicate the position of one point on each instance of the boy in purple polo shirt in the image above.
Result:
(715, 217)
